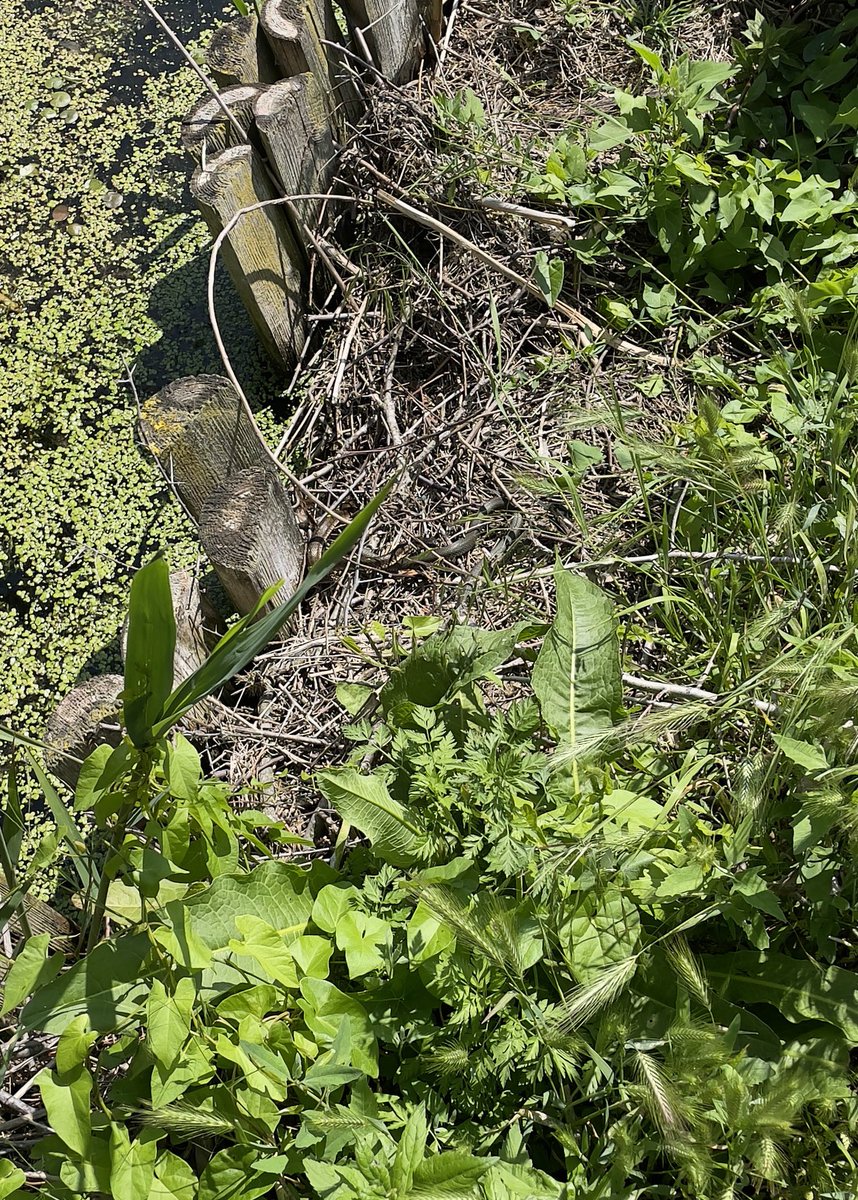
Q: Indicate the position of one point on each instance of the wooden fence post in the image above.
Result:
(249, 532)
(303, 35)
(294, 124)
(87, 717)
(205, 126)
(200, 433)
(264, 260)
(392, 32)
(239, 53)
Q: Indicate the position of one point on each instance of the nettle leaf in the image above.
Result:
(410, 1151)
(548, 276)
(577, 678)
(66, 1100)
(149, 650)
(365, 802)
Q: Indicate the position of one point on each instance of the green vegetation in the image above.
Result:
(569, 945)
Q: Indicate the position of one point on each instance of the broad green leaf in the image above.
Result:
(149, 651)
(232, 1175)
(325, 1007)
(132, 1164)
(74, 1045)
(174, 1179)
(610, 134)
(365, 802)
(11, 1178)
(681, 882)
(269, 947)
(183, 769)
(275, 892)
(812, 758)
(332, 902)
(576, 678)
(602, 931)
(312, 954)
(548, 276)
(90, 782)
(248, 637)
(168, 1020)
(32, 969)
(66, 1101)
(452, 1175)
(363, 938)
(109, 985)
(652, 60)
(798, 988)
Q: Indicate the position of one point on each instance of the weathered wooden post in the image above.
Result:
(201, 433)
(87, 717)
(265, 262)
(304, 35)
(239, 53)
(249, 532)
(294, 123)
(206, 127)
(392, 32)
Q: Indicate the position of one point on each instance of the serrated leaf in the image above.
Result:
(410, 1151)
(452, 1175)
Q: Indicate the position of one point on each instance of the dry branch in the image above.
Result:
(264, 260)
(249, 532)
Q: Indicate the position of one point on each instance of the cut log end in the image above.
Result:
(250, 534)
(207, 125)
(238, 53)
(86, 718)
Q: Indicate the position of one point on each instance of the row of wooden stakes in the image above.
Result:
(290, 79)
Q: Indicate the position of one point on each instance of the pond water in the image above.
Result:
(102, 269)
